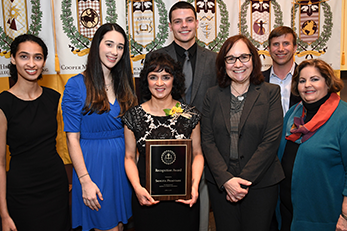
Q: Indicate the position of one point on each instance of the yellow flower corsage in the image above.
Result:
(177, 111)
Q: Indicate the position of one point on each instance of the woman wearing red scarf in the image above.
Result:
(313, 153)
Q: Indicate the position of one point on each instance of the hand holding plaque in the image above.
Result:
(168, 169)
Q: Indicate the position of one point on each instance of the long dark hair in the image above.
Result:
(14, 48)
(122, 77)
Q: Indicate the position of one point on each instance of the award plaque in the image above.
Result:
(168, 169)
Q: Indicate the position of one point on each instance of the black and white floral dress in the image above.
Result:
(166, 215)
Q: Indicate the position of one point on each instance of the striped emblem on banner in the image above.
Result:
(260, 20)
(309, 23)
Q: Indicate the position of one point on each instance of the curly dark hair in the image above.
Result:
(224, 80)
(14, 48)
(157, 63)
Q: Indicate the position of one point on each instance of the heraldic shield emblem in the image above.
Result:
(311, 39)
(15, 18)
(261, 24)
(143, 29)
(208, 34)
(88, 17)
(206, 14)
(148, 26)
(257, 20)
(15, 22)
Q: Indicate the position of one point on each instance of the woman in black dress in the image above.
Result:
(162, 83)
(34, 194)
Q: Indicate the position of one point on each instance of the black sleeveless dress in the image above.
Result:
(37, 184)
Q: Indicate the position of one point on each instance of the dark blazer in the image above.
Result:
(204, 74)
(293, 98)
(259, 135)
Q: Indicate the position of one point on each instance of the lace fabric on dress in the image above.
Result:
(147, 126)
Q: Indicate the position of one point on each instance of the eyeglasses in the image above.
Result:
(244, 58)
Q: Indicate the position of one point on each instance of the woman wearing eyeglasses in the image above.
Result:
(241, 128)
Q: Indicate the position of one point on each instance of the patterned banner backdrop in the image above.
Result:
(89, 17)
(76, 23)
(19, 17)
(67, 27)
(215, 20)
(142, 15)
(15, 17)
(206, 12)
(152, 17)
(261, 21)
(317, 23)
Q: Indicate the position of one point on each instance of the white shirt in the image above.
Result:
(285, 85)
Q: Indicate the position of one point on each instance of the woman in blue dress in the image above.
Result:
(92, 105)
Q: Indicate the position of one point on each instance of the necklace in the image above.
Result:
(240, 97)
(107, 86)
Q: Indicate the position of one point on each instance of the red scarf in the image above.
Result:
(298, 131)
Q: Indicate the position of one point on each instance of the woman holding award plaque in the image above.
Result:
(162, 84)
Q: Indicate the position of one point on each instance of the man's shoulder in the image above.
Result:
(206, 51)
(266, 74)
(267, 71)
(266, 86)
(165, 49)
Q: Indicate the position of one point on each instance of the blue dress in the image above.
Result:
(103, 148)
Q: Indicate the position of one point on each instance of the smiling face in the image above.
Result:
(29, 60)
(282, 49)
(111, 49)
(183, 26)
(239, 72)
(312, 86)
(160, 84)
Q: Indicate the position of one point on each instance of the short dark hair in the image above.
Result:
(282, 30)
(14, 48)
(157, 63)
(222, 77)
(334, 84)
(181, 5)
